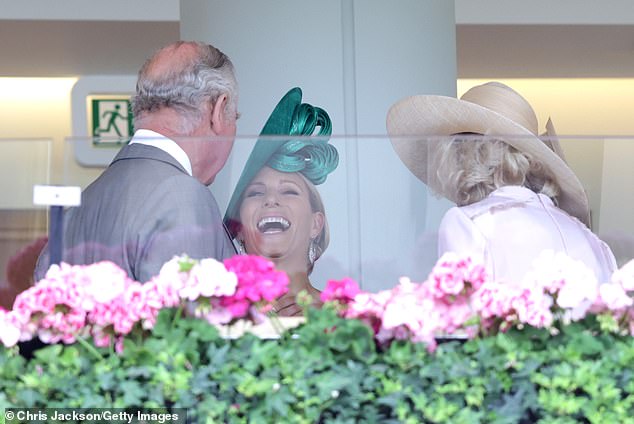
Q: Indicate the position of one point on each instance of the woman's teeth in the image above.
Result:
(273, 224)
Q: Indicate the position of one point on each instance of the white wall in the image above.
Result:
(111, 10)
(575, 12)
(546, 12)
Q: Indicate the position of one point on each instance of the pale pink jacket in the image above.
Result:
(510, 228)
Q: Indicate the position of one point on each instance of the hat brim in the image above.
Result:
(433, 116)
(274, 134)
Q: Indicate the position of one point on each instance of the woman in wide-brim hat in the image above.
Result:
(514, 192)
(276, 210)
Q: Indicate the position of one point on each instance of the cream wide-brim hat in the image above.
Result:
(491, 109)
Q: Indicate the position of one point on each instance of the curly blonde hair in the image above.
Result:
(471, 167)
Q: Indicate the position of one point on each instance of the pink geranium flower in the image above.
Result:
(99, 300)
(217, 314)
(405, 307)
(258, 282)
(533, 307)
(454, 275)
(408, 311)
(369, 307)
(342, 291)
(452, 317)
(493, 300)
(53, 308)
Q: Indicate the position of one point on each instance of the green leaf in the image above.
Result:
(133, 393)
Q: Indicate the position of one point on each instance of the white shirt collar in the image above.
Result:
(151, 138)
(520, 193)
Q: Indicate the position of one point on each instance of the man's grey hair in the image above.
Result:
(187, 88)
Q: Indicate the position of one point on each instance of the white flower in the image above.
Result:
(614, 297)
(104, 281)
(625, 276)
(213, 278)
(574, 282)
(207, 278)
(9, 331)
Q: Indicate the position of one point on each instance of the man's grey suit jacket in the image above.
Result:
(140, 212)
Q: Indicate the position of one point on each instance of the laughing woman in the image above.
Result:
(276, 211)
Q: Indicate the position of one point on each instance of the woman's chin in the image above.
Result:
(270, 252)
(285, 260)
(273, 246)
(274, 256)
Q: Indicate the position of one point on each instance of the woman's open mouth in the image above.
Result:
(273, 224)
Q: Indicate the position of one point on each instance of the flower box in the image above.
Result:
(455, 348)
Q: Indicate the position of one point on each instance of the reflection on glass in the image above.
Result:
(399, 215)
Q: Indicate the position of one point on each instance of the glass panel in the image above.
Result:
(383, 220)
(604, 167)
(23, 164)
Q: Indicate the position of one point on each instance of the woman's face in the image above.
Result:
(277, 218)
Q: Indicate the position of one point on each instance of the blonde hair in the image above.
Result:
(317, 205)
(470, 168)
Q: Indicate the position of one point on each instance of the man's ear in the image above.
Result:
(219, 119)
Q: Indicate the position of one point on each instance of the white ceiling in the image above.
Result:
(70, 48)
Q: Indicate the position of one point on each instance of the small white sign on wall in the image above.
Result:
(47, 195)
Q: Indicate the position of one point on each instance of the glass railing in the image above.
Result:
(383, 220)
(23, 226)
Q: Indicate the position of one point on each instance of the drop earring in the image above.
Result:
(312, 252)
(239, 244)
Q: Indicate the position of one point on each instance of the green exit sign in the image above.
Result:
(111, 122)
